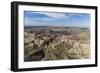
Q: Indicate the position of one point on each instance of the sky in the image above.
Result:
(37, 18)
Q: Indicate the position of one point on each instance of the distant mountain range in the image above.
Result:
(56, 27)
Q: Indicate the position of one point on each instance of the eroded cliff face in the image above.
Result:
(56, 45)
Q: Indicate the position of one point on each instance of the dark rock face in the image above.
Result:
(37, 56)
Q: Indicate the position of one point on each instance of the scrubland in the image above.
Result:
(56, 43)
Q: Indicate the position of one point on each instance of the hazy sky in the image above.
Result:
(32, 18)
